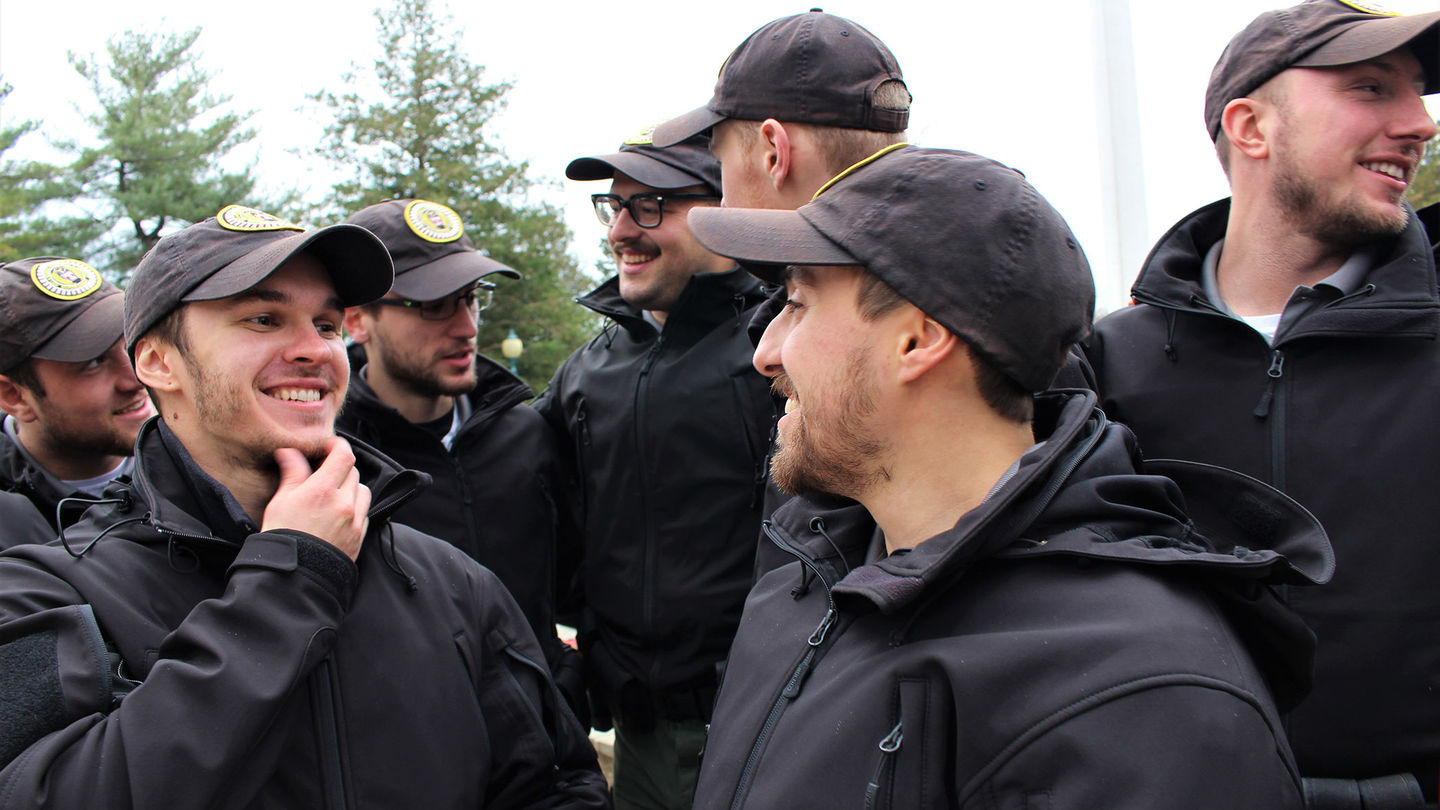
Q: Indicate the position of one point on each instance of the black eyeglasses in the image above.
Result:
(648, 210)
(443, 309)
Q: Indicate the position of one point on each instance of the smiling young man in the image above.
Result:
(1290, 333)
(1037, 621)
(242, 625)
(421, 394)
(669, 424)
(72, 403)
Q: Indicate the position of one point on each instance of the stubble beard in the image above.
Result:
(219, 404)
(420, 379)
(842, 459)
(1344, 223)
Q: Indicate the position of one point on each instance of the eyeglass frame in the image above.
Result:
(473, 305)
(614, 204)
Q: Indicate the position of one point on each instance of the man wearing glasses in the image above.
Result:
(669, 424)
(420, 393)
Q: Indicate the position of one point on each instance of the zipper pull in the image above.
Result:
(888, 747)
(818, 637)
(1277, 368)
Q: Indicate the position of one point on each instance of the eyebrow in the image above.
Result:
(798, 274)
(276, 297)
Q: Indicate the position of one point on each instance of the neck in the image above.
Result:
(658, 315)
(416, 408)
(251, 483)
(1265, 258)
(59, 460)
(940, 473)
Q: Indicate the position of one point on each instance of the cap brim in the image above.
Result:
(765, 241)
(356, 259)
(1379, 37)
(89, 335)
(641, 168)
(685, 127)
(446, 275)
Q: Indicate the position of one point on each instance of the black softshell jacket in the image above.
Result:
(169, 661)
(492, 494)
(670, 433)
(1074, 642)
(1341, 414)
(20, 474)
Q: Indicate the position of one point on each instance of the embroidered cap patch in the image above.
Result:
(433, 222)
(245, 218)
(65, 279)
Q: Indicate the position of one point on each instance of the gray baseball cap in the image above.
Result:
(238, 248)
(965, 239)
(1317, 33)
(680, 165)
(433, 256)
(811, 68)
(55, 308)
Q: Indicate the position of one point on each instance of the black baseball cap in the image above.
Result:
(433, 256)
(56, 308)
(238, 248)
(965, 239)
(680, 165)
(1317, 33)
(811, 68)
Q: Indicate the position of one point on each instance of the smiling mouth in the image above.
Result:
(296, 394)
(134, 407)
(1390, 170)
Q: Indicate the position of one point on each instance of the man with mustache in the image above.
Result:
(1290, 333)
(421, 394)
(669, 426)
(72, 403)
(242, 624)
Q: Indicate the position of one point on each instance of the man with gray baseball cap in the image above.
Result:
(798, 101)
(422, 394)
(242, 624)
(71, 401)
(668, 423)
(1035, 620)
(1292, 333)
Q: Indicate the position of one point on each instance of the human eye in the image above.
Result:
(647, 204)
(328, 328)
(264, 319)
(434, 309)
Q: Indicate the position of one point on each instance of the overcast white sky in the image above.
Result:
(1010, 80)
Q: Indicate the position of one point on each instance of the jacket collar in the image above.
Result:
(184, 500)
(1398, 294)
(707, 300)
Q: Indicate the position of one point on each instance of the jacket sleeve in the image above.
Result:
(542, 758)
(1182, 745)
(83, 736)
(21, 522)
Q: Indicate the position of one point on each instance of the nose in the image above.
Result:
(623, 228)
(767, 351)
(464, 323)
(1414, 121)
(125, 379)
(308, 346)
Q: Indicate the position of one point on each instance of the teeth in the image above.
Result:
(297, 394)
(791, 406)
(637, 258)
(1388, 169)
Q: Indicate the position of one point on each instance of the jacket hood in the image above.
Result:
(708, 299)
(1083, 494)
(1400, 288)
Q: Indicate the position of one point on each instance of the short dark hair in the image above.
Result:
(1005, 396)
(24, 376)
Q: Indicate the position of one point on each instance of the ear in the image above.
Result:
(775, 151)
(1246, 122)
(158, 364)
(923, 344)
(16, 400)
(357, 324)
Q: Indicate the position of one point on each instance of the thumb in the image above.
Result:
(294, 469)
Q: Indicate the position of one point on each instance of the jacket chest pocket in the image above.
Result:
(909, 771)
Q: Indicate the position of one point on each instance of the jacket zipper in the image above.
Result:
(327, 736)
(1272, 409)
(889, 748)
(796, 680)
(648, 594)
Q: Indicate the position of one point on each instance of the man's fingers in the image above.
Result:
(294, 469)
(338, 466)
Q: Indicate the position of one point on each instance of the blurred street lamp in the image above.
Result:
(511, 347)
